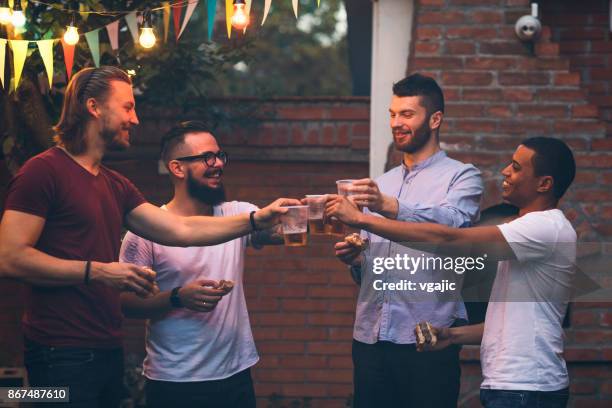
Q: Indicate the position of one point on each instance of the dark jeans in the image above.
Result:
(94, 376)
(232, 392)
(528, 399)
(396, 375)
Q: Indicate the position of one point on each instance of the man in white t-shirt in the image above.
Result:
(522, 336)
(199, 342)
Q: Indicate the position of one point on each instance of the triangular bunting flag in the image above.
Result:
(318, 3)
(176, 19)
(229, 12)
(83, 8)
(166, 6)
(267, 5)
(93, 41)
(113, 34)
(20, 50)
(45, 47)
(68, 57)
(211, 11)
(132, 24)
(190, 7)
(295, 7)
(2, 57)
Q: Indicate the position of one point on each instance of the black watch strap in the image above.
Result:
(175, 300)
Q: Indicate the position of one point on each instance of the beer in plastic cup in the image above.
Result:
(295, 225)
(316, 211)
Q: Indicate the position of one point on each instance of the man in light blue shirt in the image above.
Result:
(427, 187)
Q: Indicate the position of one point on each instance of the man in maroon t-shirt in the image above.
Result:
(60, 233)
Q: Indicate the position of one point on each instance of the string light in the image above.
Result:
(71, 36)
(18, 19)
(147, 36)
(5, 13)
(240, 19)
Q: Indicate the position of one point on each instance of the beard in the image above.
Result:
(203, 193)
(420, 137)
(112, 139)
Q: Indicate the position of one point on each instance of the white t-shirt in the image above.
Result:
(522, 344)
(184, 345)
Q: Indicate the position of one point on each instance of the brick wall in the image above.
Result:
(500, 91)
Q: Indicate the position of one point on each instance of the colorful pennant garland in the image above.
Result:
(113, 34)
(177, 9)
(45, 47)
(2, 56)
(188, 13)
(93, 41)
(267, 5)
(20, 51)
(166, 6)
(211, 8)
(68, 57)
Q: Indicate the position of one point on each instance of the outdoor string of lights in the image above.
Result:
(16, 17)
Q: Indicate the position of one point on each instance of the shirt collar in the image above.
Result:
(434, 158)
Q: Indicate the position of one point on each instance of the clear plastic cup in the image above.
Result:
(316, 214)
(295, 225)
(344, 186)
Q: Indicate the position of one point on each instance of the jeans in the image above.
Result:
(396, 375)
(232, 392)
(529, 399)
(94, 376)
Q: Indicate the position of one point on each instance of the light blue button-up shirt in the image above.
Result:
(440, 190)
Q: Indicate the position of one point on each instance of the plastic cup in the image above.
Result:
(344, 186)
(316, 214)
(295, 225)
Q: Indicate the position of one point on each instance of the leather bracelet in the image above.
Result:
(252, 219)
(87, 271)
(175, 300)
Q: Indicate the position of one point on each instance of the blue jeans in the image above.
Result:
(528, 399)
(94, 376)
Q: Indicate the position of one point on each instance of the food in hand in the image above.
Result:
(425, 335)
(355, 240)
(225, 285)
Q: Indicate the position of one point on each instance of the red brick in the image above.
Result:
(579, 127)
(592, 195)
(566, 79)
(466, 78)
(312, 333)
(572, 354)
(585, 111)
(329, 292)
(499, 111)
(472, 3)
(324, 319)
(304, 362)
(518, 2)
(361, 130)
(341, 305)
(584, 318)
(482, 94)
(601, 74)
(330, 376)
(424, 3)
(327, 138)
(305, 305)
(459, 47)
(554, 95)
(487, 17)
(542, 110)
(283, 291)
(426, 48)
(463, 109)
(471, 33)
(438, 62)
(300, 113)
(475, 126)
(340, 390)
(341, 333)
(264, 305)
(329, 348)
(429, 33)
(349, 113)
(279, 319)
(488, 63)
(281, 376)
(600, 161)
(582, 388)
(546, 49)
(304, 390)
(602, 144)
(440, 17)
(574, 47)
(267, 333)
(302, 277)
(511, 78)
(279, 348)
(601, 46)
(502, 48)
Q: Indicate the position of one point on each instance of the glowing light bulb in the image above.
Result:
(240, 19)
(5, 15)
(147, 37)
(71, 36)
(18, 19)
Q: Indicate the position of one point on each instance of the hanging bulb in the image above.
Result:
(18, 19)
(5, 13)
(240, 19)
(71, 36)
(147, 36)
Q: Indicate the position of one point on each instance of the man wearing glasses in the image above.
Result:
(199, 342)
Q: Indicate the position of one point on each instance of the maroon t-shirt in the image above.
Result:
(84, 216)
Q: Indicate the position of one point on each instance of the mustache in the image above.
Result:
(213, 172)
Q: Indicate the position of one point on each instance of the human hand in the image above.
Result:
(269, 216)
(347, 253)
(343, 209)
(430, 338)
(202, 295)
(125, 277)
(365, 193)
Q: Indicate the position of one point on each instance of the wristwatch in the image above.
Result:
(175, 300)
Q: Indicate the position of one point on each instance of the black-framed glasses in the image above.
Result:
(207, 157)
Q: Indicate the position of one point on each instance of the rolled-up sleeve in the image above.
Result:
(459, 209)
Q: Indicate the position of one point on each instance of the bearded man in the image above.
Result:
(427, 187)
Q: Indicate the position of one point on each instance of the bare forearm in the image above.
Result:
(147, 308)
(33, 266)
(466, 334)
(400, 231)
(270, 236)
(390, 207)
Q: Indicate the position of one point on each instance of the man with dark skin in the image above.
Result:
(522, 336)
